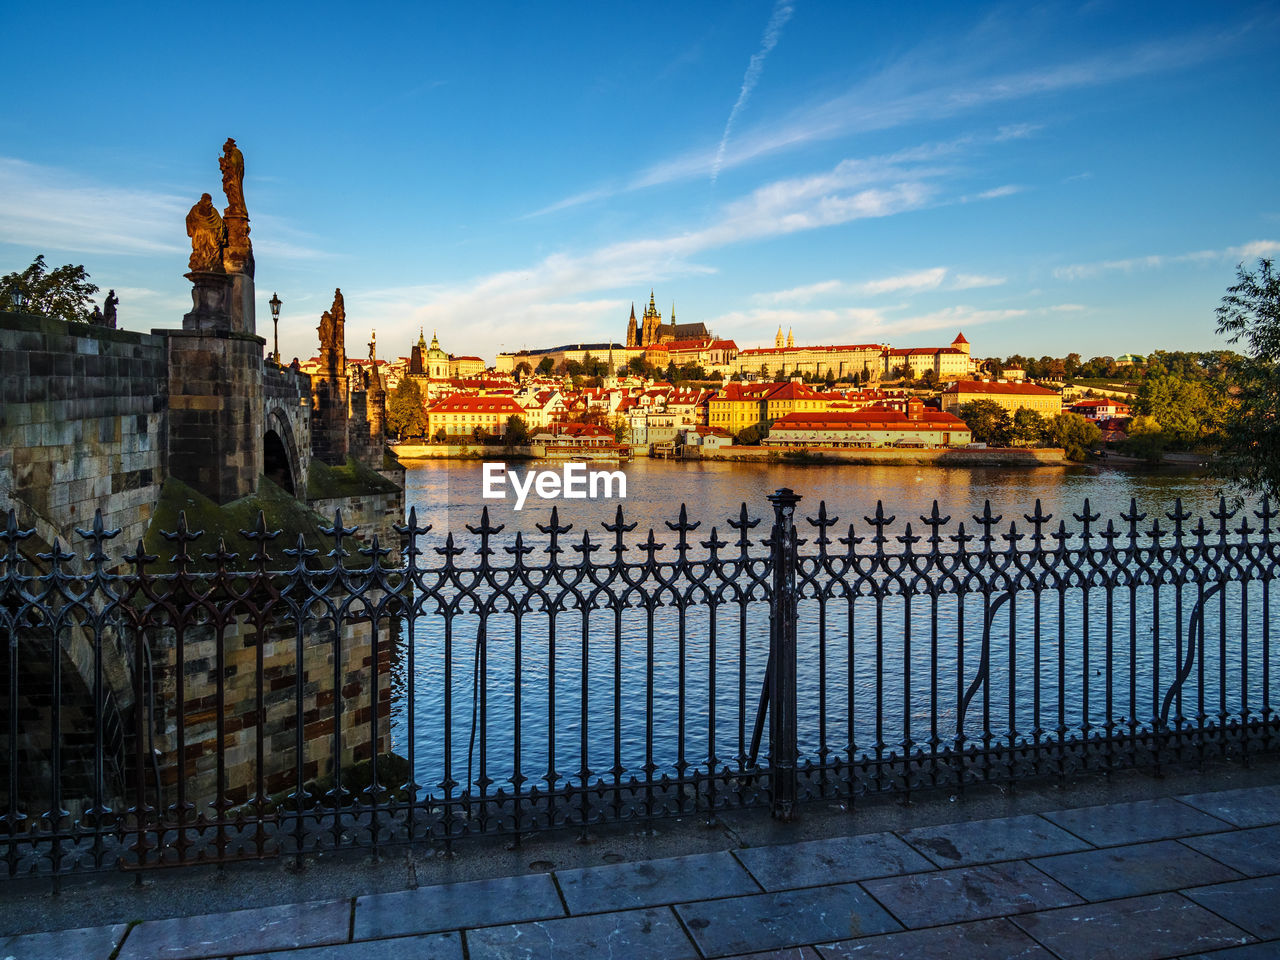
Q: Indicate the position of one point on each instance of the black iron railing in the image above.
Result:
(286, 703)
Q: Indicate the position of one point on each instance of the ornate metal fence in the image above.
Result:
(288, 703)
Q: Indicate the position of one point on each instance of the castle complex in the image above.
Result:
(659, 345)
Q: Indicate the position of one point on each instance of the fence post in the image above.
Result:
(783, 748)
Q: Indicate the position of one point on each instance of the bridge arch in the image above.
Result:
(281, 462)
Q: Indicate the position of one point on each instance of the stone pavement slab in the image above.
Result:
(986, 841)
(787, 953)
(968, 893)
(1134, 870)
(983, 940)
(87, 943)
(1111, 824)
(1142, 928)
(1251, 904)
(652, 934)
(1252, 951)
(223, 934)
(433, 946)
(1253, 852)
(651, 883)
(791, 918)
(455, 906)
(1245, 807)
(838, 860)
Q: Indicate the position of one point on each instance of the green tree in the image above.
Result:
(1249, 454)
(523, 370)
(441, 436)
(546, 365)
(517, 432)
(1187, 410)
(988, 422)
(63, 293)
(1075, 434)
(749, 436)
(1029, 428)
(930, 379)
(405, 416)
(1146, 439)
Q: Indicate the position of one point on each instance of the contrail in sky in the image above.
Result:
(782, 10)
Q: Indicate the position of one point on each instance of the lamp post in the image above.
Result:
(274, 304)
(19, 300)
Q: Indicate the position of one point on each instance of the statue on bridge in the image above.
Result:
(109, 310)
(208, 236)
(238, 255)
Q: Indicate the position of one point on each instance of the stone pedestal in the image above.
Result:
(210, 302)
(330, 441)
(216, 411)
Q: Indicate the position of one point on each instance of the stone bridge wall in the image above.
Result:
(82, 426)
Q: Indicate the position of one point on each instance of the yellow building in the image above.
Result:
(785, 361)
(1011, 396)
(459, 415)
(739, 405)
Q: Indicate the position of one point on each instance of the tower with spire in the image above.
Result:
(778, 341)
(650, 329)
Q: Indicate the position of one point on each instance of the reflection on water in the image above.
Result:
(447, 494)
(631, 689)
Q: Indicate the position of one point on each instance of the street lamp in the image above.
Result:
(19, 300)
(274, 304)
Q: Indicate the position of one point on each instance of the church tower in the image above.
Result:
(631, 328)
(791, 341)
(778, 341)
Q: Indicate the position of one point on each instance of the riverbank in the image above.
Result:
(533, 451)
(897, 456)
(883, 457)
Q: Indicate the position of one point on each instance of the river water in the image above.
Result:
(621, 688)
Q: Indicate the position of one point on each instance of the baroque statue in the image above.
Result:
(238, 255)
(328, 334)
(109, 309)
(208, 236)
(232, 165)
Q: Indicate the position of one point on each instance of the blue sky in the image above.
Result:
(1048, 178)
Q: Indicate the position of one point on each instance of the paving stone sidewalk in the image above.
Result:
(1193, 876)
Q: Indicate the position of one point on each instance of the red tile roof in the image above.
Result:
(464, 404)
(983, 386)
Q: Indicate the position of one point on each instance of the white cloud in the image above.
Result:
(923, 86)
(921, 280)
(50, 208)
(971, 281)
(1008, 190)
(1246, 251)
(772, 32)
(933, 278)
(1068, 307)
(801, 294)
